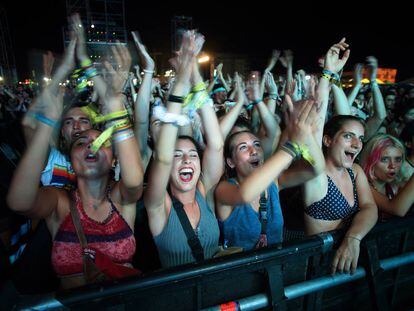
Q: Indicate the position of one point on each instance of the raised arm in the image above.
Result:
(270, 126)
(315, 188)
(273, 94)
(131, 78)
(228, 121)
(213, 166)
(156, 190)
(142, 104)
(24, 195)
(287, 62)
(28, 122)
(346, 257)
(82, 55)
(126, 147)
(221, 77)
(228, 195)
(299, 130)
(357, 84)
(271, 64)
(333, 64)
(400, 204)
(341, 106)
(380, 113)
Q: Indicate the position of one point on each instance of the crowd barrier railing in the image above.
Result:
(293, 276)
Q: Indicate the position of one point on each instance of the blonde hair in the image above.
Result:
(372, 151)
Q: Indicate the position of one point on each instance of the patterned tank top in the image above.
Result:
(334, 205)
(113, 236)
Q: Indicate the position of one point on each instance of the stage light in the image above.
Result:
(204, 59)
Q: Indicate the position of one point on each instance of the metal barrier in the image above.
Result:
(301, 289)
(263, 277)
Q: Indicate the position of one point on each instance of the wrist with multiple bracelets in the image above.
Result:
(332, 77)
(118, 128)
(83, 74)
(298, 151)
(195, 100)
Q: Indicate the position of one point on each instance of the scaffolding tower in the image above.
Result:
(104, 22)
(8, 72)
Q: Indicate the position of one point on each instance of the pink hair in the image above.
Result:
(374, 148)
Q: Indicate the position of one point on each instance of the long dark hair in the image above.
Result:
(195, 143)
(228, 152)
(335, 124)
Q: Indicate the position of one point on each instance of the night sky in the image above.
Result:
(308, 30)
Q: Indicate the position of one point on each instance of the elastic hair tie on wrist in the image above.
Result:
(176, 99)
(352, 237)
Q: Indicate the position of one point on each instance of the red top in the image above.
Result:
(113, 237)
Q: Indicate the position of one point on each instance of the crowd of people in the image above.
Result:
(128, 178)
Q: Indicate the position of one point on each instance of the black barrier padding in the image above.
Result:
(146, 256)
(291, 202)
(242, 275)
(33, 273)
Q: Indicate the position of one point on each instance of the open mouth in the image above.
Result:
(255, 163)
(91, 157)
(76, 135)
(391, 174)
(186, 174)
(350, 155)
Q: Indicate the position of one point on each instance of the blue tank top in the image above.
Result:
(334, 206)
(242, 228)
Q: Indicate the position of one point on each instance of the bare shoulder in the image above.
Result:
(64, 201)
(62, 210)
(359, 173)
(201, 188)
(357, 169)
